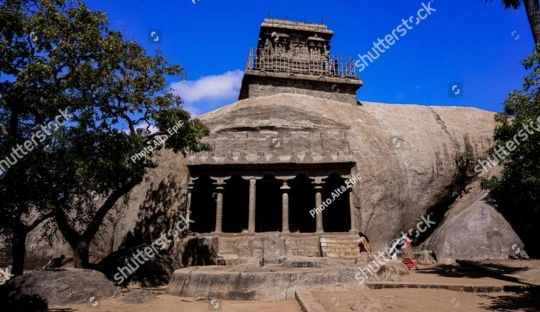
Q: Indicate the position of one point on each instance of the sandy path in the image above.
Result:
(438, 300)
(167, 303)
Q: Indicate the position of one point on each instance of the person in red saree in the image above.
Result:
(408, 254)
(364, 247)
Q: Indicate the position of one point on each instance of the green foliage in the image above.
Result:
(465, 163)
(517, 192)
(59, 55)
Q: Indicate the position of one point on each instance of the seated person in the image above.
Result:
(364, 247)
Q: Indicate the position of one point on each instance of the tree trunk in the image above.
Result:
(18, 249)
(81, 254)
(531, 6)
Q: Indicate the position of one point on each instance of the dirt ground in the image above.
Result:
(403, 300)
(167, 303)
(493, 273)
(439, 300)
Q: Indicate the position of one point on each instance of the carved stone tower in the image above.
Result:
(294, 57)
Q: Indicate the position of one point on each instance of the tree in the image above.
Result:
(531, 8)
(517, 192)
(64, 57)
(22, 172)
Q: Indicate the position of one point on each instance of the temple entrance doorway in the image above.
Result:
(236, 205)
(336, 216)
(268, 212)
(302, 200)
(203, 203)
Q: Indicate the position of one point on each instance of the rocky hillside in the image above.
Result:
(405, 154)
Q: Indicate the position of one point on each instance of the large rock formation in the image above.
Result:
(61, 287)
(473, 230)
(405, 154)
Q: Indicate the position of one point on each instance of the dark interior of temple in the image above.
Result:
(301, 201)
(268, 215)
(236, 205)
(203, 205)
(268, 205)
(337, 217)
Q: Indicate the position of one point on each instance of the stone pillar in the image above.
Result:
(191, 185)
(252, 205)
(352, 211)
(285, 203)
(350, 194)
(252, 202)
(219, 209)
(220, 183)
(318, 201)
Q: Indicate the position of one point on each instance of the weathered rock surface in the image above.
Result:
(405, 155)
(426, 258)
(391, 271)
(474, 230)
(63, 286)
(156, 271)
(267, 283)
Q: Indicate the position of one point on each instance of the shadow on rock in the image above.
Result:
(158, 217)
(198, 252)
(123, 268)
(14, 299)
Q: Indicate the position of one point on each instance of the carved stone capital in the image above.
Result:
(252, 178)
(220, 181)
(318, 180)
(285, 178)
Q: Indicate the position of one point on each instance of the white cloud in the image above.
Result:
(217, 89)
(152, 129)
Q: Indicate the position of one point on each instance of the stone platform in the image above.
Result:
(271, 282)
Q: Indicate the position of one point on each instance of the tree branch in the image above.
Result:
(107, 206)
(39, 220)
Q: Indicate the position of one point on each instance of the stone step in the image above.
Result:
(339, 247)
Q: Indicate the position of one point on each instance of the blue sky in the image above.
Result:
(479, 46)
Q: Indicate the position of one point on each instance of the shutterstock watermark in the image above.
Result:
(18, 152)
(148, 253)
(391, 38)
(157, 142)
(385, 256)
(349, 183)
(502, 151)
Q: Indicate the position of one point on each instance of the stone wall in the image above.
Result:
(257, 90)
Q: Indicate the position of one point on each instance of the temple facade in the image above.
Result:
(271, 167)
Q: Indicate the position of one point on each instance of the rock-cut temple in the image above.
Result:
(270, 166)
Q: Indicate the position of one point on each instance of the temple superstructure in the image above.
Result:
(294, 57)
